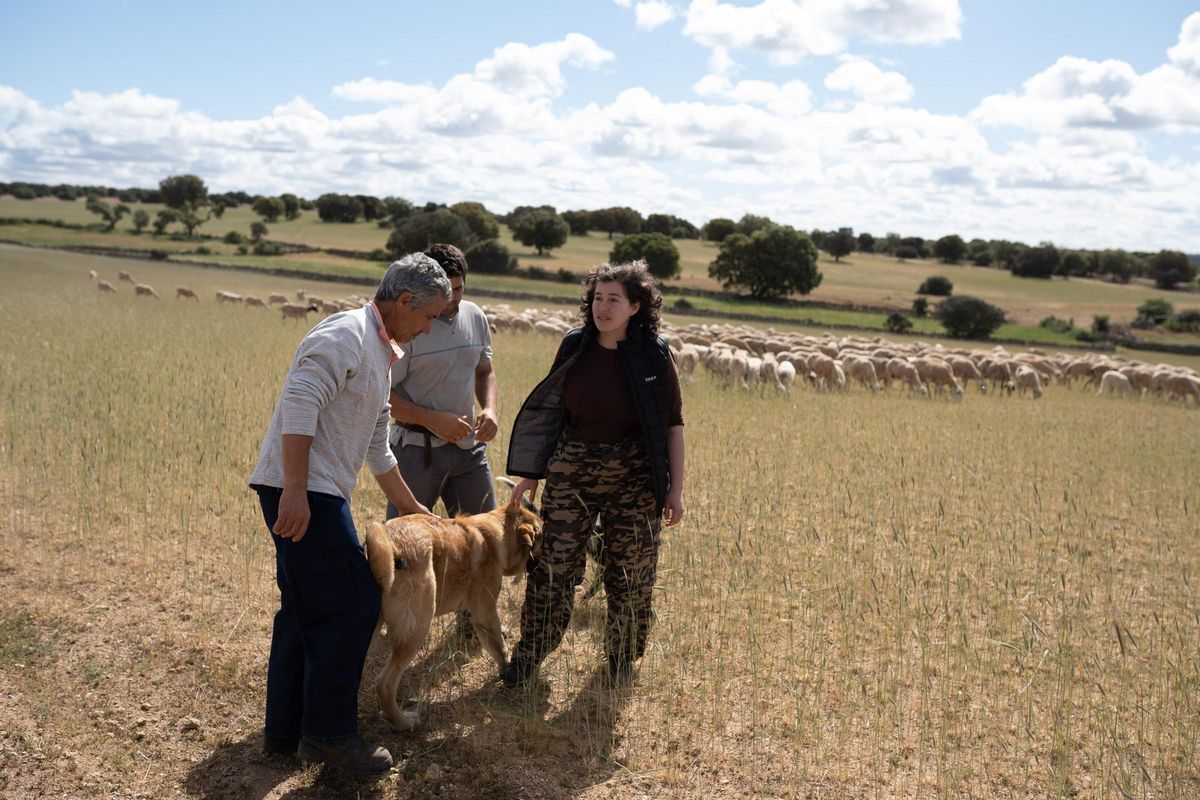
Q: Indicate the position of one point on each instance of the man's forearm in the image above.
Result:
(485, 388)
(405, 410)
(397, 492)
(295, 460)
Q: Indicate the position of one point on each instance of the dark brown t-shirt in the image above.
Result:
(599, 402)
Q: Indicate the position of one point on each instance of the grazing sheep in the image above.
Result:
(300, 293)
(228, 297)
(1113, 382)
(686, 361)
(330, 308)
(105, 286)
(965, 370)
(124, 276)
(899, 369)
(1183, 387)
(251, 300)
(787, 375)
(861, 369)
(1028, 379)
(999, 373)
(183, 291)
(939, 374)
(145, 291)
(92, 274)
(293, 311)
(277, 298)
(827, 370)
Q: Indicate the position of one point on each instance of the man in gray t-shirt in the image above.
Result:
(438, 439)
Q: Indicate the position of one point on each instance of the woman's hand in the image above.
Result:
(674, 510)
(526, 485)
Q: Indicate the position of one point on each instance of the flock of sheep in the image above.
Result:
(745, 357)
(306, 303)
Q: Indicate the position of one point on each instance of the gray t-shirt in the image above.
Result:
(438, 370)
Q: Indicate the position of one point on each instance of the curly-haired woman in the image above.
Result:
(605, 429)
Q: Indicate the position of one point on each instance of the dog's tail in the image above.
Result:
(380, 556)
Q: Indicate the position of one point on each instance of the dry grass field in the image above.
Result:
(872, 596)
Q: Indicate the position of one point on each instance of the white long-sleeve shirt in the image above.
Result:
(337, 392)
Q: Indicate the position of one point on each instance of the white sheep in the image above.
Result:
(124, 276)
(228, 297)
(294, 311)
(105, 286)
(145, 291)
(277, 298)
(1113, 382)
(1028, 379)
(183, 291)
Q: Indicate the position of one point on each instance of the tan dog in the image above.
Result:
(427, 566)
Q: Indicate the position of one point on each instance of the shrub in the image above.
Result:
(264, 248)
(491, 258)
(659, 252)
(379, 254)
(538, 273)
(1156, 311)
(203, 251)
(243, 249)
(422, 229)
(897, 323)
(920, 307)
(966, 317)
(907, 251)
(566, 276)
(339, 208)
(937, 285)
(1185, 321)
(1100, 325)
(1053, 323)
(541, 230)
(234, 237)
(682, 304)
(158, 255)
(774, 261)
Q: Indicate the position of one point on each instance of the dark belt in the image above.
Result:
(428, 439)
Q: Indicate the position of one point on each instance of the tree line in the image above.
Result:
(756, 255)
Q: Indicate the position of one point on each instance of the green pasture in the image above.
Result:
(862, 280)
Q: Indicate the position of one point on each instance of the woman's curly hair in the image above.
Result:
(640, 287)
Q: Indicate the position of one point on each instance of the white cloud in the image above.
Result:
(789, 30)
(370, 90)
(624, 3)
(869, 82)
(1186, 54)
(651, 14)
(537, 70)
(1077, 92)
(793, 98)
(505, 133)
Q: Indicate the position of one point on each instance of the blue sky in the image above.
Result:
(1077, 122)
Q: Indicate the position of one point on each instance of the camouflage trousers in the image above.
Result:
(586, 481)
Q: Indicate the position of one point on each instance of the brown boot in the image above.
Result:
(351, 754)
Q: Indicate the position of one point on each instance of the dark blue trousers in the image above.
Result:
(328, 609)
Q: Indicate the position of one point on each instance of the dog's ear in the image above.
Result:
(528, 533)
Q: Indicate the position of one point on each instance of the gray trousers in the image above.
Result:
(460, 478)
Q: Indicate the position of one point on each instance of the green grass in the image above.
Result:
(860, 280)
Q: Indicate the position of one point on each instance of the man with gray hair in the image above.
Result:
(331, 417)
